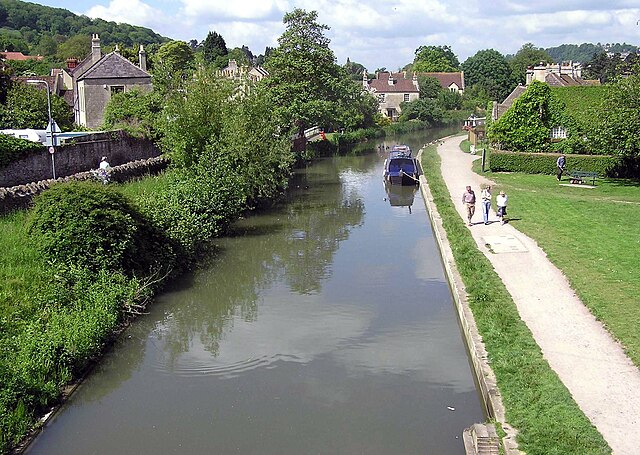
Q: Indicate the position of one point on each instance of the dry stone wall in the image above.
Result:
(20, 196)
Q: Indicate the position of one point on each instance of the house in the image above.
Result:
(254, 73)
(454, 81)
(391, 89)
(98, 77)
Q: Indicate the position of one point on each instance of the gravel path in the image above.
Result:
(601, 378)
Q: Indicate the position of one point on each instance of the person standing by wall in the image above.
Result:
(103, 170)
(469, 200)
(501, 203)
(561, 165)
(485, 197)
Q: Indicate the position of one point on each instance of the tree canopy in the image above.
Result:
(528, 55)
(489, 70)
(213, 47)
(306, 84)
(432, 59)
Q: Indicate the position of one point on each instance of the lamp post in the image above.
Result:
(50, 128)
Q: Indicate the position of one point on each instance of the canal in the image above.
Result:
(323, 326)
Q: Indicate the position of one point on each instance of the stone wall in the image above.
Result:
(20, 196)
(81, 154)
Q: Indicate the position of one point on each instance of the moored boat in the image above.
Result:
(400, 168)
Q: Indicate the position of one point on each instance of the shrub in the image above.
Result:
(545, 163)
(89, 225)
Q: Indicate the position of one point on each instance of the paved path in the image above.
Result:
(600, 377)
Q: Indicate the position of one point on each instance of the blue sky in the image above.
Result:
(383, 33)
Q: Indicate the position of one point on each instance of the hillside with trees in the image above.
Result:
(39, 30)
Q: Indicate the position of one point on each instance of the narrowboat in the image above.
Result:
(400, 168)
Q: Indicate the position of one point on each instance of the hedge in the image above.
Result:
(545, 163)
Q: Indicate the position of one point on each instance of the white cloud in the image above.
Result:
(132, 12)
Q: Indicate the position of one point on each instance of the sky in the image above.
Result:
(383, 33)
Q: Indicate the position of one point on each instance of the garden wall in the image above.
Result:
(81, 154)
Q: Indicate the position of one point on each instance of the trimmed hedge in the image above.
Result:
(545, 163)
(12, 149)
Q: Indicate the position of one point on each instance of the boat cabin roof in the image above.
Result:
(400, 151)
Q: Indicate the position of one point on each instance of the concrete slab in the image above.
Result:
(504, 244)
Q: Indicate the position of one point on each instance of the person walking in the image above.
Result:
(103, 170)
(501, 203)
(561, 165)
(485, 197)
(469, 200)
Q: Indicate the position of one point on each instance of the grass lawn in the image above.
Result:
(537, 403)
(593, 236)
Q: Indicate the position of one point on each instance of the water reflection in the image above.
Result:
(401, 195)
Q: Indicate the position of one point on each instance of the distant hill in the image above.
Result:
(37, 29)
(584, 52)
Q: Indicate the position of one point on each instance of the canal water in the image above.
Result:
(324, 326)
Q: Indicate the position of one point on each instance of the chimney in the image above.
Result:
(72, 63)
(390, 80)
(415, 80)
(95, 49)
(117, 49)
(142, 58)
(365, 79)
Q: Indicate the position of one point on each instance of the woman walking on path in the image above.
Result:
(501, 202)
(485, 196)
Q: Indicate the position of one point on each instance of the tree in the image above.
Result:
(136, 112)
(26, 107)
(430, 87)
(527, 56)
(77, 46)
(433, 59)
(213, 47)
(306, 85)
(489, 70)
(427, 110)
(174, 62)
(354, 70)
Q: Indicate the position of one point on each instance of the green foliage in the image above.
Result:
(306, 86)
(92, 226)
(429, 86)
(586, 51)
(433, 59)
(543, 163)
(78, 46)
(136, 112)
(528, 55)
(213, 47)
(12, 149)
(616, 122)
(354, 70)
(26, 107)
(176, 56)
(525, 127)
(424, 109)
(489, 70)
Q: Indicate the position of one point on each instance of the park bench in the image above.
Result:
(581, 176)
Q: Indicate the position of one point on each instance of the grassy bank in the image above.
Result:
(591, 234)
(537, 403)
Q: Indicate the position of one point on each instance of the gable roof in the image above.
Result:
(20, 56)
(400, 84)
(448, 79)
(565, 80)
(113, 65)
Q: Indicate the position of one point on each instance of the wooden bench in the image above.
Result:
(580, 176)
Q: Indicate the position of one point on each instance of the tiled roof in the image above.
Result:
(564, 80)
(400, 84)
(447, 79)
(114, 65)
(20, 56)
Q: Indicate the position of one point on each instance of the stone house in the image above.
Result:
(454, 81)
(98, 77)
(391, 89)
(253, 73)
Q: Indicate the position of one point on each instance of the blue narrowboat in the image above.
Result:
(400, 168)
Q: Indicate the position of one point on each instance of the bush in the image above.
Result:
(545, 163)
(12, 149)
(89, 225)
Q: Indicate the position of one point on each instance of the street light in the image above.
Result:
(50, 128)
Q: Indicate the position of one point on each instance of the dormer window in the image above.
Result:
(381, 97)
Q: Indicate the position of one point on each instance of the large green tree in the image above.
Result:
(173, 62)
(489, 70)
(213, 47)
(527, 56)
(26, 107)
(306, 85)
(432, 59)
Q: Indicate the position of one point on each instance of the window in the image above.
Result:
(406, 97)
(116, 89)
(558, 132)
(381, 97)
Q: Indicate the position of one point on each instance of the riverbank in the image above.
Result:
(572, 341)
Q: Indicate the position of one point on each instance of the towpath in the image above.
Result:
(592, 365)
